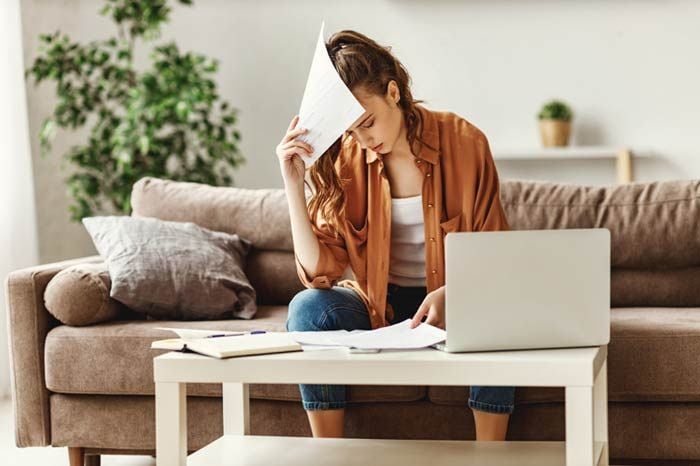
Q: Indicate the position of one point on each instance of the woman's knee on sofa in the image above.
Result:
(304, 310)
(316, 309)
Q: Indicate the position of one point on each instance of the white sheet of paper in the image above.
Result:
(319, 347)
(328, 338)
(198, 333)
(328, 108)
(397, 336)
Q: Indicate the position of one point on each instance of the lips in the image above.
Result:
(376, 148)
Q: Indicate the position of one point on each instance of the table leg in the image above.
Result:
(600, 411)
(236, 408)
(171, 424)
(580, 448)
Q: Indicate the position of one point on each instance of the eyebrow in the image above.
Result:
(360, 124)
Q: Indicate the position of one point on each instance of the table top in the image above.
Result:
(541, 367)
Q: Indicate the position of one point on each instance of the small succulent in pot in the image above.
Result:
(555, 123)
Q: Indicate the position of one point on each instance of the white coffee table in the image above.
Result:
(583, 371)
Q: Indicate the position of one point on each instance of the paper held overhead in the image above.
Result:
(328, 108)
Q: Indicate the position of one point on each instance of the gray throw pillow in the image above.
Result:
(174, 270)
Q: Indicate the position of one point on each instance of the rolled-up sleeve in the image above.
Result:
(488, 211)
(332, 259)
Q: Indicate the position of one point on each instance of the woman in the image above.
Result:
(383, 197)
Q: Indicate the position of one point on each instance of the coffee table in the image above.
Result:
(583, 371)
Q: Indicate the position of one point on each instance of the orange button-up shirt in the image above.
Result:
(460, 193)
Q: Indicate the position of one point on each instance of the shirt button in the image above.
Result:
(418, 160)
(430, 205)
(428, 175)
(434, 271)
(432, 238)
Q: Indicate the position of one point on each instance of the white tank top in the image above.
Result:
(407, 256)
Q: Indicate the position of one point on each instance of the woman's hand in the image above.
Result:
(290, 152)
(434, 306)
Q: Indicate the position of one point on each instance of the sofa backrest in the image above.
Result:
(258, 215)
(655, 229)
(652, 225)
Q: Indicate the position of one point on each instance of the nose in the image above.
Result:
(363, 144)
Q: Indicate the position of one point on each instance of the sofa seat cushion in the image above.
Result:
(652, 356)
(115, 358)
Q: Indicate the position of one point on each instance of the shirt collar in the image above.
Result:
(430, 151)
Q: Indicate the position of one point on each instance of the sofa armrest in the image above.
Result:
(28, 322)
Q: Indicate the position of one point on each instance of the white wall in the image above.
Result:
(18, 239)
(629, 69)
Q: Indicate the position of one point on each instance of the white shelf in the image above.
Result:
(567, 153)
(250, 450)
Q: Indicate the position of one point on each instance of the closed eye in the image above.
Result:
(351, 132)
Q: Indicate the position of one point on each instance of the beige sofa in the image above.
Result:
(91, 389)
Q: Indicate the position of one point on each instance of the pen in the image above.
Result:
(253, 332)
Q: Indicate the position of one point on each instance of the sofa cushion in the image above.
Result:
(655, 287)
(273, 275)
(652, 356)
(652, 225)
(220, 208)
(116, 358)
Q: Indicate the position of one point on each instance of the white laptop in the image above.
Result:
(528, 289)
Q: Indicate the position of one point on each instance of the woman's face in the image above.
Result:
(382, 123)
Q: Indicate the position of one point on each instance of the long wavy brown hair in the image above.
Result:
(361, 63)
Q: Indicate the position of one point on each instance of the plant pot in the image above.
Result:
(555, 133)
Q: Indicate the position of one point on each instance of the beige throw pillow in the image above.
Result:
(174, 270)
(79, 295)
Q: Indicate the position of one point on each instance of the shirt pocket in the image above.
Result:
(451, 225)
(356, 245)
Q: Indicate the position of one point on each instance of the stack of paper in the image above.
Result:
(397, 336)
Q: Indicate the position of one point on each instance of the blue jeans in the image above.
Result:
(338, 308)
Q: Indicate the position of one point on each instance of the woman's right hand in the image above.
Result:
(290, 152)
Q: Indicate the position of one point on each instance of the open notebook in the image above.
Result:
(238, 345)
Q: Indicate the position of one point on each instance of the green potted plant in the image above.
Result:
(555, 123)
(164, 119)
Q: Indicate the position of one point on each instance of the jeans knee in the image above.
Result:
(301, 311)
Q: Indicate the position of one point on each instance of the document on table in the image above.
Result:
(328, 108)
(397, 336)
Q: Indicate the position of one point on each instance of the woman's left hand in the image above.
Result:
(434, 306)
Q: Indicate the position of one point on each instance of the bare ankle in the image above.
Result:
(327, 423)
